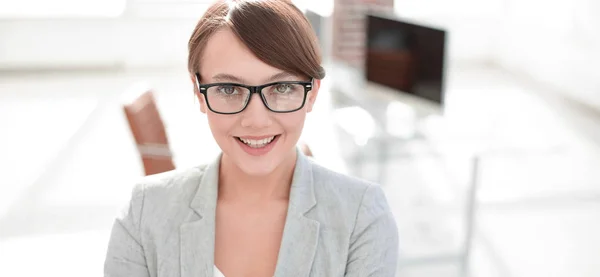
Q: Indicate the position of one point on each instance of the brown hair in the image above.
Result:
(276, 32)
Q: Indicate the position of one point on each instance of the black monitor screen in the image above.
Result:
(406, 56)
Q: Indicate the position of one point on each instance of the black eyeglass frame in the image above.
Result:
(203, 88)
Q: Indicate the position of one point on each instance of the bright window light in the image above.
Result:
(61, 8)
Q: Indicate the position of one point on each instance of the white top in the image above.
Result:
(218, 272)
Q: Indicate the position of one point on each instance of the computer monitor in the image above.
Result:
(405, 56)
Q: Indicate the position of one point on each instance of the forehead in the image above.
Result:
(224, 53)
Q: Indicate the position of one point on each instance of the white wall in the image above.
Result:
(555, 42)
(471, 24)
(142, 36)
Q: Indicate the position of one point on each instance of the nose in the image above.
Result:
(256, 115)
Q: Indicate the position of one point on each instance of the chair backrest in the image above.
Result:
(149, 133)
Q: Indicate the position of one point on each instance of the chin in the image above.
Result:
(259, 169)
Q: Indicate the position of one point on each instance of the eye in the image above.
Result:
(283, 88)
(228, 90)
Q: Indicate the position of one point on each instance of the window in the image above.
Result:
(23, 9)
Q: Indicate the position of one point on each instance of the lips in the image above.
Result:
(258, 146)
(257, 142)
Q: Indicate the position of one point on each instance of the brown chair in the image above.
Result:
(149, 132)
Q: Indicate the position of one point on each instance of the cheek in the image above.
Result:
(293, 122)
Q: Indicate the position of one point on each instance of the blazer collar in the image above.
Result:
(300, 236)
(197, 237)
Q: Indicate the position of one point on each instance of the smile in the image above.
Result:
(257, 143)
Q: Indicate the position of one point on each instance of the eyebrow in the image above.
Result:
(279, 76)
(224, 77)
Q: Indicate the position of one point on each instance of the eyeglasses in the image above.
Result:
(232, 98)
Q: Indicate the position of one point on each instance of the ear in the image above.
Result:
(203, 107)
(312, 95)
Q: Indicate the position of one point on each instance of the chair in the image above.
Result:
(149, 132)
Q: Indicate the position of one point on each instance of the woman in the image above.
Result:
(261, 208)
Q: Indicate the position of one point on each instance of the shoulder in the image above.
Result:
(335, 184)
(175, 184)
(345, 195)
(165, 195)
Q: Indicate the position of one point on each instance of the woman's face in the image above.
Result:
(244, 137)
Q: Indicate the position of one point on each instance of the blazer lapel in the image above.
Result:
(301, 234)
(198, 235)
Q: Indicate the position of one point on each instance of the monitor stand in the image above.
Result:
(403, 115)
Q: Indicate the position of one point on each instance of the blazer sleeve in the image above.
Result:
(125, 254)
(374, 241)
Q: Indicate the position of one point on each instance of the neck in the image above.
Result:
(238, 186)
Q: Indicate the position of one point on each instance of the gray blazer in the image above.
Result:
(336, 226)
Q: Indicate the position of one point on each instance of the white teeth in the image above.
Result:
(257, 143)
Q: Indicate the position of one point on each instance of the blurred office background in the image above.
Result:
(491, 166)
